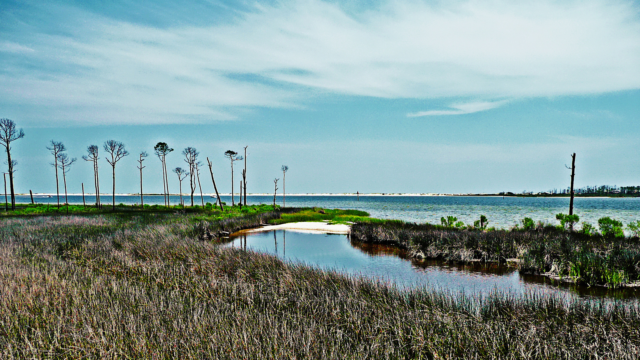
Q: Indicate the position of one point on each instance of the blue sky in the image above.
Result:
(369, 96)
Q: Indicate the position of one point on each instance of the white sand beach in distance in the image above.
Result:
(307, 227)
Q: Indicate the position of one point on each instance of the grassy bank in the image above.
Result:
(577, 257)
(144, 286)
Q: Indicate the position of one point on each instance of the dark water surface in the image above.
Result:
(501, 212)
(393, 266)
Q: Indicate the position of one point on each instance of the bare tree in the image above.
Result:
(244, 175)
(8, 134)
(199, 185)
(573, 175)
(116, 150)
(140, 160)
(214, 185)
(161, 150)
(285, 168)
(191, 158)
(92, 155)
(233, 156)
(182, 174)
(56, 148)
(64, 163)
(275, 191)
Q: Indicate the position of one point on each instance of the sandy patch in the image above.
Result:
(308, 227)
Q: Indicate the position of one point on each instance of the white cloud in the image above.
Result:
(12, 47)
(461, 108)
(279, 56)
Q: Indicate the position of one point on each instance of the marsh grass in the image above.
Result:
(141, 287)
(333, 216)
(572, 256)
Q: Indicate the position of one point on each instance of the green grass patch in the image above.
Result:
(318, 214)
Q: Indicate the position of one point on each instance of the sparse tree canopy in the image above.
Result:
(56, 148)
(230, 154)
(191, 158)
(64, 164)
(233, 156)
(116, 151)
(182, 174)
(161, 150)
(92, 155)
(140, 167)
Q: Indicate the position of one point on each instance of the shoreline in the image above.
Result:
(212, 195)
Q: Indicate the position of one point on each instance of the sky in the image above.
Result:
(403, 96)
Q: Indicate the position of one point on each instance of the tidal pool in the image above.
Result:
(393, 266)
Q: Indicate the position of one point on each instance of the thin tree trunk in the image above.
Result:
(83, 203)
(31, 194)
(64, 178)
(13, 195)
(165, 182)
(214, 185)
(55, 164)
(141, 195)
(244, 176)
(192, 183)
(114, 187)
(284, 186)
(573, 174)
(200, 186)
(6, 200)
(180, 189)
(166, 179)
(240, 198)
(232, 194)
(98, 199)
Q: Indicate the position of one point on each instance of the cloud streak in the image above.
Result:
(285, 54)
(461, 108)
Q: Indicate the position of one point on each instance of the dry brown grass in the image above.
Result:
(106, 287)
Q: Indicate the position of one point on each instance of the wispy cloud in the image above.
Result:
(12, 47)
(461, 108)
(281, 55)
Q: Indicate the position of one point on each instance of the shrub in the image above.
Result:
(482, 223)
(610, 227)
(449, 222)
(634, 227)
(588, 229)
(567, 221)
(528, 224)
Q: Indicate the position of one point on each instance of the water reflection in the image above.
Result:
(394, 266)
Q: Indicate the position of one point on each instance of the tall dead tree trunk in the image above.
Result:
(573, 174)
(214, 185)
(199, 185)
(275, 191)
(244, 175)
(140, 166)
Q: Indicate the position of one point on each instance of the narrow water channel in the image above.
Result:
(391, 265)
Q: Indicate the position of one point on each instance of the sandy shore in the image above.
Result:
(307, 227)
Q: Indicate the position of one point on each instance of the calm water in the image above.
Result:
(391, 265)
(501, 212)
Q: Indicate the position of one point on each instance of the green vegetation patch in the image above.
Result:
(319, 214)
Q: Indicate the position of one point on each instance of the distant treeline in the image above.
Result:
(597, 190)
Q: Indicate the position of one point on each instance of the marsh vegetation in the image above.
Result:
(145, 286)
